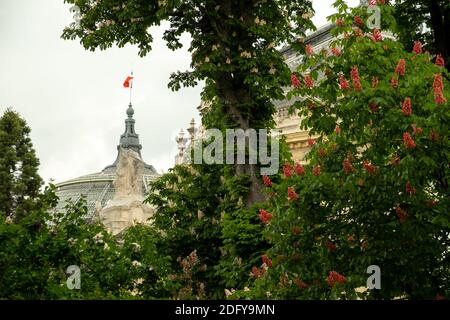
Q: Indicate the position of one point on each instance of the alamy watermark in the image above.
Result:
(374, 281)
(241, 147)
(75, 10)
(374, 20)
(74, 277)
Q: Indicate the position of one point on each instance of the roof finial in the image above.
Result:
(192, 130)
(130, 139)
(130, 111)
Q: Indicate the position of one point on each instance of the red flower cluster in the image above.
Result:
(438, 86)
(343, 83)
(406, 108)
(440, 61)
(431, 203)
(376, 35)
(334, 277)
(331, 246)
(287, 170)
(292, 195)
(373, 107)
(316, 170)
(299, 283)
(409, 189)
(434, 136)
(189, 262)
(440, 99)
(401, 67)
(337, 130)
(309, 50)
(359, 21)
(193, 257)
(401, 214)
(258, 273)
(309, 82)
(417, 47)
(336, 52)
(299, 169)
(416, 130)
(265, 216)
(394, 82)
(295, 82)
(374, 82)
(347, 165)
(267, 182)
(322, 152)
(311, 142)
(340, 22)
(266, 260)
(408, 141)
(370, 168)
(358, 32)
(296, 230)
(355, 79)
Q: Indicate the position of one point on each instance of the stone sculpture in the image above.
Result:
(127, 207)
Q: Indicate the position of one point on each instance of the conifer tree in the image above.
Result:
(19, 178)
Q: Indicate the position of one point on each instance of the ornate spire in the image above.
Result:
(181, 142)
(192, 130)
(130, 139)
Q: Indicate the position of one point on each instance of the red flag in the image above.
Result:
(126, 83)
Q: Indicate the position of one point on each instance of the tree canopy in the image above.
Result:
(376, 189)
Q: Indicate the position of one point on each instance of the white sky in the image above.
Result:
(73, 99)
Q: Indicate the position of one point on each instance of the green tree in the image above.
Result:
(427, 21)
(37, 250)
(191, 203)
(210, 235)
(19, 179)
(233, 50)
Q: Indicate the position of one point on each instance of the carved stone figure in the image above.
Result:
(127, 207)
(129, 174)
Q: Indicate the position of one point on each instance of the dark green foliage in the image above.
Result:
(191, 204)
(37, 250)
(425, 21)
(19, 179)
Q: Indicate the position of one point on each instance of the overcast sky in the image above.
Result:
(73, 99)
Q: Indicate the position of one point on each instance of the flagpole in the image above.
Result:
(131, 86)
